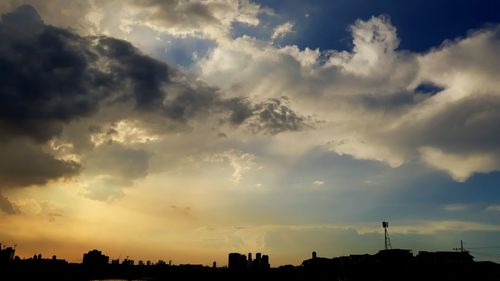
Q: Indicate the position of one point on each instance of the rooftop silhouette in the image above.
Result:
(387, 264)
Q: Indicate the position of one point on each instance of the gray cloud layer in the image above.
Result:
(51, 77)
(24, 163)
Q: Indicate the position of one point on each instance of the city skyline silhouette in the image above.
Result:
(387, 264)
(239, 262)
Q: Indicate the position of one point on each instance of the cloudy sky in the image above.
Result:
(185, 130)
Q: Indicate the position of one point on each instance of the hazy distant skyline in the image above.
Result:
(185, 130)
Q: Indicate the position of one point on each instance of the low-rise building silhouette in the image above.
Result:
(389, 256)
(388, 264)
(394, 256)
(444, 257)
(6, 254)
(95, 258)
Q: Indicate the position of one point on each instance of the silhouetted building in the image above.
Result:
(316, 263)
(444, 257)
(258, 257)
(355, 259)
(391, 256)
(95, 258)
(6, 254)
(191, 267)
(240, 262)
(128, 262)
(389, 265)
(394, 256)
(237, 261)
(264, 262)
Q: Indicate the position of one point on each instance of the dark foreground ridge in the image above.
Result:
(388, 264)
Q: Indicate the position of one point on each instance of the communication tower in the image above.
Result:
(386, 233)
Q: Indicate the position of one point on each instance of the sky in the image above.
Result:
(185, 130)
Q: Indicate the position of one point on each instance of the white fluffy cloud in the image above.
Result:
(282, 30)
(375, 42)
(211, 18)
(370, 99)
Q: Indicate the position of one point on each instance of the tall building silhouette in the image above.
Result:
(264, 262)
(237, 261)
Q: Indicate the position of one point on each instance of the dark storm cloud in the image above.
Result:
(241, 109)
(274, 116)
(128, 64)
(7, 207)
(191, 100)
(271, 116)
(24, 163)
(44, 79)
(51, 76)
(469, 125)
(24, 18)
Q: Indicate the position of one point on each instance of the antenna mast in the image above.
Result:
(386, 233)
